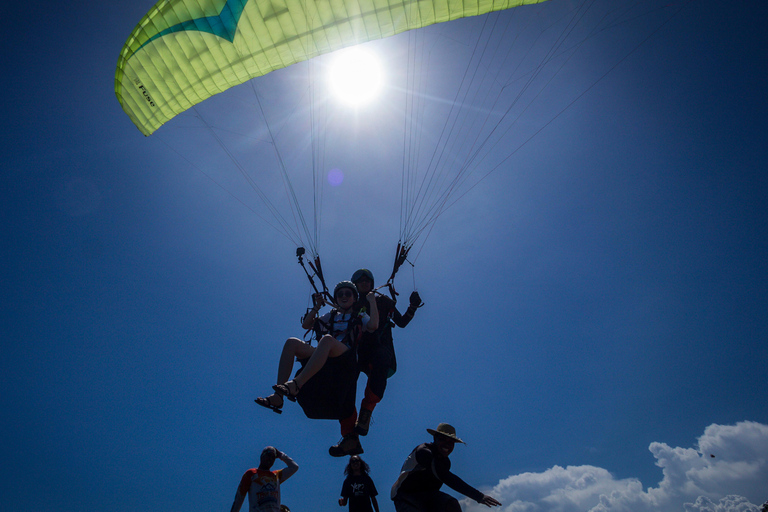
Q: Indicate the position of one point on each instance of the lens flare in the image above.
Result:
(335, 177)
(355, 76)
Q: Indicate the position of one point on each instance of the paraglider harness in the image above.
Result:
(331, 393)
(382, 337)
(351, 334)
(379, 345)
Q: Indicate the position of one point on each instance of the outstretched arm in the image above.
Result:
(442, 470)
(490, 501)
(459, 485)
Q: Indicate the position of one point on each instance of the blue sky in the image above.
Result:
(595, 312)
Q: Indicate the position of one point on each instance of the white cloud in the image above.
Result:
(726, 472)
(727, 504)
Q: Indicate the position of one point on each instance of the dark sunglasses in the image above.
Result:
(343, 294)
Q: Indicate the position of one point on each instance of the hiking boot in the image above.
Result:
(363, 422)
(348, 445)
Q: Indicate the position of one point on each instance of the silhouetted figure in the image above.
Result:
(262, 485)
(425, 470)
(376, 350)
(358, 488)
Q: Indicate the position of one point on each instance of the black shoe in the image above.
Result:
(363, 422)
(348, 445)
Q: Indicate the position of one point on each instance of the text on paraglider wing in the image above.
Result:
(144, 92)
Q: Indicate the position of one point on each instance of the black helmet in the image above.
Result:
(360, 273)
(345, 284)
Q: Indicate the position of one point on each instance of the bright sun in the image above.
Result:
(355, 76)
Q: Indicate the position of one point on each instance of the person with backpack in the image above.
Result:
(424, 472)
(376, 350)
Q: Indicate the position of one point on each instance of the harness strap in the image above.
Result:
(352, 323)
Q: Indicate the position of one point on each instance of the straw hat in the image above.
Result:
(446, 430)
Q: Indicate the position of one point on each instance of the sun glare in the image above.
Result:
(355, 76)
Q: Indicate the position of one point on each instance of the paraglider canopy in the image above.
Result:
(185, 51)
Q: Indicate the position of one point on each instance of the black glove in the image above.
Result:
(415, 300)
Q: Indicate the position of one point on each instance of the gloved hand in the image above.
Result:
(415, 300)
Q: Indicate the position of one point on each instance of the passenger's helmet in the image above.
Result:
(346, 284)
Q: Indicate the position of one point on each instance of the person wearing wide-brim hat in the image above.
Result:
(425, 471)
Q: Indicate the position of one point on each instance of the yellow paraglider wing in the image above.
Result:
(184, 51)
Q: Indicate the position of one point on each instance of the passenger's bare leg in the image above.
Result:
(327, 347)
(293, 348)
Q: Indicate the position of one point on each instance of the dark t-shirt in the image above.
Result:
(359, 489)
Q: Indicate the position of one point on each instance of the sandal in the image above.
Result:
(287, 391)
(266, 402)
